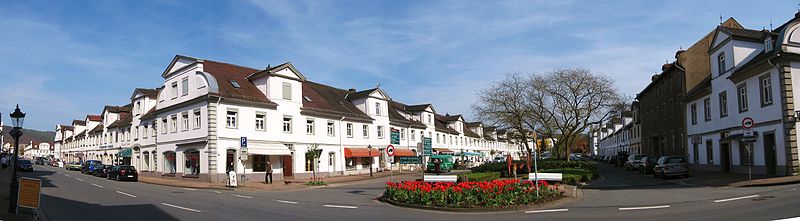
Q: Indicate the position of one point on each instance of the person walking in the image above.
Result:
(4, 161)
(268, 176)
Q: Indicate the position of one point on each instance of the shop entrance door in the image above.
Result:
(286, 161)
(769, 153)
(725, 157)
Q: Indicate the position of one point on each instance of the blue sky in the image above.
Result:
(64, 59)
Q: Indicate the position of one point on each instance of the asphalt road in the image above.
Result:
(618, 195)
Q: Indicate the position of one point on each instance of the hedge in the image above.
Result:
(485, 176)
(583, 175)
(542, 165)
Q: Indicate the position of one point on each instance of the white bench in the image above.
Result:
(440, 178)
(546, 176)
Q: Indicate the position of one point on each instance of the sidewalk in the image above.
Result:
(277, 185)
(719, 179)
(5, 184)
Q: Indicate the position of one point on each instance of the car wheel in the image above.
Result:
(117, 177)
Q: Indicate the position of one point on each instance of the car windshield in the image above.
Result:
(127, 168)
(676, 160)
(24, 162)
(639, 157)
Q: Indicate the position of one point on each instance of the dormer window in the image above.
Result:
(768, 45)
(235, 84)
(378, 108)
(721, 63)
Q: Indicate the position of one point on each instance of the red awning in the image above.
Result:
(443, 150)
(404, 152)
(360, 152)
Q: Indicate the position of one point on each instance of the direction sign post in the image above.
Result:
(749, 137)
(395, 136)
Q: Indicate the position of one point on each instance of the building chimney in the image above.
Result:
(679, 53)
(654, 77)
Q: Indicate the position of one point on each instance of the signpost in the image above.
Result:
(395, 135)
(243, 156)
(390, 150)
(29, 193)
(748, 137)
(426, 146)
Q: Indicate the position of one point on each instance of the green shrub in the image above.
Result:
(571, 179)
(486, 176)
(542, 165)
(584, 175)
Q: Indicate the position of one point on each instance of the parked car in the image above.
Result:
(25, 165)
(648, 163)
(102, 170)
(39, 161)
(73, 166)
(575, 156)
(445, 165)
(667, 166)
(89, 166)
(634, 162)
(622, 156)
(123, 172)
(499, 160)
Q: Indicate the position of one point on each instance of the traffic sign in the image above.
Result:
(410, 160)
(243, 142)
(390, 150)
(395, 135)
(748, 123)
(426, 146)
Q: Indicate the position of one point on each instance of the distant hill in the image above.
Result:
(29, 135)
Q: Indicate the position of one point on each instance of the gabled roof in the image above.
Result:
(98, 128)
(473, 124)
(418, 107)
(67, 127)
(224, 73)
(273, 70)
(125, 119)
(441, 125)
(451, 118)
(149, 114)
(360, 94)
(78, 122)
(150, 93)
(117, 109)
(97, 118)
(469, 133)
(326, 101)
(398, 119)
(743, 33)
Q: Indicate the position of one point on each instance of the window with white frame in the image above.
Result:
(331, 129)
(173, 124)
(174, 90)
(707, 108)
(365, 131)
(185, 121)
(146, 134)
(287, 124)
(261, 120)
(197, 119)
(402, 134)
(723, 104)
(721, 63)
(349, 130)
(185, 86)
(380, 132)
(164, 126)
(742, 95)
(309, 125)
(287, 91)
(378, 108)
(412, 136)
(766, 90)
(231, 119)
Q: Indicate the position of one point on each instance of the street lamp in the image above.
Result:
(369, 148)
(17, 118)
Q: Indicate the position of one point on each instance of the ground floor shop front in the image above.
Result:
(763, 152)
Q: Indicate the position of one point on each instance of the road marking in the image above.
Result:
(67, 175)
(735, 198)
(644, 207)
(180, 207)
(789, 219)
(127, 194)
(547, 211)
(217, 191)
(247, 197)
(79, 179)
(189, 189)
(97, 185)
(284, 201)
(343, 207)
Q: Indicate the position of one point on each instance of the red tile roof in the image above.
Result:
(224, 73)
(329, 101)
(97, 118)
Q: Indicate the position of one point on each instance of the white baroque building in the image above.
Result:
(754, 74)
(191, 127)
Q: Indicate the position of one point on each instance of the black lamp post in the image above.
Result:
(369, 147)
(17, 118)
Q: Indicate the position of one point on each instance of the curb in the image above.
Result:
(766, 184)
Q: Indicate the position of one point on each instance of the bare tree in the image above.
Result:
(502, 104)
(567, 102)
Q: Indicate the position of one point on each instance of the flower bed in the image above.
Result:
(497, 193)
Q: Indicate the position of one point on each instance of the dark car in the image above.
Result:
(667, 166)
(39, 161)
(621, 158)
(102, 170)
(25, 165)
(648, 163)
(634, 162)
(89, 166)
(123, 172)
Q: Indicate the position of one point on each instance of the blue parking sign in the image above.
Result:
(243, 142)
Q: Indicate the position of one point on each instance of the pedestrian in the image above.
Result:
(268, 176)
(4, 161)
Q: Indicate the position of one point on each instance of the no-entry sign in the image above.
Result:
(390, 150)
(748, 123)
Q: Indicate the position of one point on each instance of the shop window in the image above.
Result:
(146, 157)
(259, 163)
(192, 161)
(169, 162)
(350, 163)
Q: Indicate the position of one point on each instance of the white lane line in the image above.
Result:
(180, 207)
(97, 185)
(644, 207)
(79, 179)
(247, 197)
(735, 198)
(189, 189)
(67, 175)
(789, 219)
(127, 194)
(547, 211)
(287, 202)
(343, 207)
(217, 191)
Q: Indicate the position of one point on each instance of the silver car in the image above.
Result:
(667, 166)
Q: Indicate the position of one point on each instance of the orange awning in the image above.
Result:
(404, 152)
(360, 152)
(443, 150)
